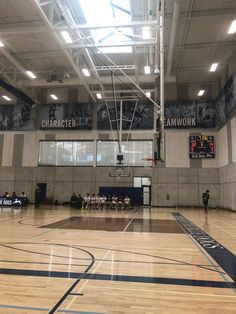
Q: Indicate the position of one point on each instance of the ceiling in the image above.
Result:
(195, 36)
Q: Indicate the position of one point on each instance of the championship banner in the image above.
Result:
(189, 114)
(135, 116)
(19, 117)
(66, 116)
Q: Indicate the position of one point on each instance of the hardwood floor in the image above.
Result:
(54, 259)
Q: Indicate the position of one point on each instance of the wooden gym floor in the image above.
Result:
(158, 260)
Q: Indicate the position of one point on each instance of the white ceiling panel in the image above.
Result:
(31, 34)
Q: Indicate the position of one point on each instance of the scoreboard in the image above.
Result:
(201, 146)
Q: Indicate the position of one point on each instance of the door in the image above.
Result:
(146, 195)
(145, 184)
(43, 188)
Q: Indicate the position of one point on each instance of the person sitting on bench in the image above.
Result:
(126, 202)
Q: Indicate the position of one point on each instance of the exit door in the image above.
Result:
(145, 184)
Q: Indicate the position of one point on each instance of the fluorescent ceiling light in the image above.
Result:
(99, 96)
(1, 44)
(110, 12)
(147, 69)
(146, 32)
(6, 98)
(148, 94)
(86, 72)
(31, 74)
(213, 67)
(201, 92)
(66, 37)
(232, 28)
(53, 96)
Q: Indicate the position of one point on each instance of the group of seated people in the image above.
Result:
(22, 195)
(98, 202)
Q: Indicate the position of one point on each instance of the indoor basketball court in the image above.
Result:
(151, 260)
(117, 156)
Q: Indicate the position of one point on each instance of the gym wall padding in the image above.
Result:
(135, 194)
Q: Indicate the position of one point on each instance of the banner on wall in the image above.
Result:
(189, 114)
(19, 117)
(220, 107)
(226, 102)
(135, 115)
(230, 96)
(66, 116)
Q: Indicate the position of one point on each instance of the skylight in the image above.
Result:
(107, 12)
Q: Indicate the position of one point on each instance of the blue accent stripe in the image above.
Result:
(154, 280)
(6, 306)
(223, 257)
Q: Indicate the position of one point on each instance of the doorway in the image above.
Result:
(43, 188)
(145, 184)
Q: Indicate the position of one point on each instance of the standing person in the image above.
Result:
(79, 201)
(73, 201)
(205, 198)
(37, 195)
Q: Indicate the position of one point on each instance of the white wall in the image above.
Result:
(177, 148)
(7, 153)
(223, 147)
(30, 150)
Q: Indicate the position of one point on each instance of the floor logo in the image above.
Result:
(224, 258)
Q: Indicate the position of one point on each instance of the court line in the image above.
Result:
(101, 248)
(6, 306)
(152, 256)
(57, 305)
(85, 283)
(44, 263)
(204, 250)
(128, 224)
(107, 261)
(124, 278)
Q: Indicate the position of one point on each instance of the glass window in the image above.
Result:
(134, 153)
(68, 153)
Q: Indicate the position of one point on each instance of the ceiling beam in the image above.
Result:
(172, 38)
(197, 14)
(62, 47)
(114, 44)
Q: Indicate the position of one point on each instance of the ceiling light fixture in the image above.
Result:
(66, 37)
(6, 98)
(232, 28)
(86, 72)
(53, 96)
(30, 74)
(148, 94)
(147, 69)
(213, 67)
(146, 32)
(1, 44)
(201, 92)
(99, 96)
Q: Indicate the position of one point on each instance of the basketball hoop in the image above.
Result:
(119, 171)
